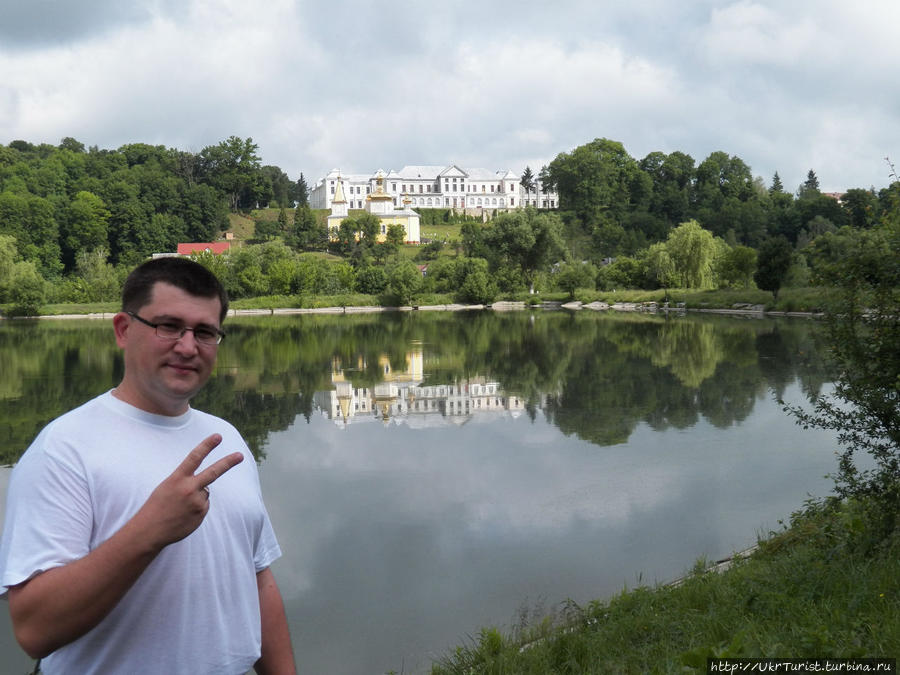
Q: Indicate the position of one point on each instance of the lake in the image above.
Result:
(432, 473)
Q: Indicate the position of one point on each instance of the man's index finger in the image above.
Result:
(196, 456)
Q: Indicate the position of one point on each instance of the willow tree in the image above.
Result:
(693, 252)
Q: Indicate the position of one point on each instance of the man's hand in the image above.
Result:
(179, 504)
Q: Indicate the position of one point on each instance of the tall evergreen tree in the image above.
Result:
(810, 187)
(777, 187)
(527, 181)
(302, 191)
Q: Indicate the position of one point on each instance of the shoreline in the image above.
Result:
(501, 306)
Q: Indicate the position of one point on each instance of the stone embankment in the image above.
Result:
(742, 309)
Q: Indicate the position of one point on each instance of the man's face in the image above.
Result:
(162, 375)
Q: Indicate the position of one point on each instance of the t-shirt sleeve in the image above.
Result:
(48, 518)
(267, 548)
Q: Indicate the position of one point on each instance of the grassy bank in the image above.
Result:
(823, 587)
(789, 300)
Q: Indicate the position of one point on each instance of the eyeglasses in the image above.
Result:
(174, 331)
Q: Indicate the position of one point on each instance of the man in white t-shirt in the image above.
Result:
(125, 550)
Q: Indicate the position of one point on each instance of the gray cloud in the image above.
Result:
(359, 86)
(39, 24)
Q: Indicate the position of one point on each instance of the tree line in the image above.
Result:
(78, 218)
(62, 207)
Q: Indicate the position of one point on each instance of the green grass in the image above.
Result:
(812, 590)
(242, 227)
(440, 232)
(306, 301)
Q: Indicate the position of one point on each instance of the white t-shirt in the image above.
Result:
(195, 609)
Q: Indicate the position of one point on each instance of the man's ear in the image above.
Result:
(121, 324)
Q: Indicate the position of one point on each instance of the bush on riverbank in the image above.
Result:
(816, 589)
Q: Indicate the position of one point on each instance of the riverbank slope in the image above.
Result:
(826, 586)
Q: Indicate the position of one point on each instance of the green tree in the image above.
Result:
(595, 180)
(692, 251)
(862, 207)
(32, 221)
(403, 280)
(810, 186)
(864, 335)
(545, 179)
(69, 143)
(774, 260)
(609, 240)
(574, 275)
(267, 228)
(28, 289)
(283, 188)
(473, 240)
(777, 185)
(525, 240)
(302, 192)
(368, 227)
(371, 280)
(8, 258)
(394, 238)
(469, 279)
(672, 178)
(527, 180)
(623, 272)
(306, 233)
(95, 279)
(86, 225)
(233, 167)
(737, 267)
(658, 265)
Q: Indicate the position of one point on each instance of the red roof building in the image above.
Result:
(217, 248)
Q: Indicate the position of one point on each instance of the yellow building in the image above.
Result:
(380, 204)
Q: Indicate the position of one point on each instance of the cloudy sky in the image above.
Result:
(361, 85)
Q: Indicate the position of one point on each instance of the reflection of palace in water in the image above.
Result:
(401, 397)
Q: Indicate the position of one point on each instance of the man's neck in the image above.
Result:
(126, 395)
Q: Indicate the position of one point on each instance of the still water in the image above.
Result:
(429, 474)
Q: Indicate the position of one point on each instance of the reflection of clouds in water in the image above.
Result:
(516, 480)
(410, 540)
(515, 474)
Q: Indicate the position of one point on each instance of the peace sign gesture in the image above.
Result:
(179, 504)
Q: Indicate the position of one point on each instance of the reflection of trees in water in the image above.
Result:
(602, 374)
(50, 367)
(667, 373)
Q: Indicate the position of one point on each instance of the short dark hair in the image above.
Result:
(183, 273)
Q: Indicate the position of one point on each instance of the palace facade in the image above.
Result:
(450, 186)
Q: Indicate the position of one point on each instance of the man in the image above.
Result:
(126, 551)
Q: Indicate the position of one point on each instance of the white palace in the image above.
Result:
(450, 186)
